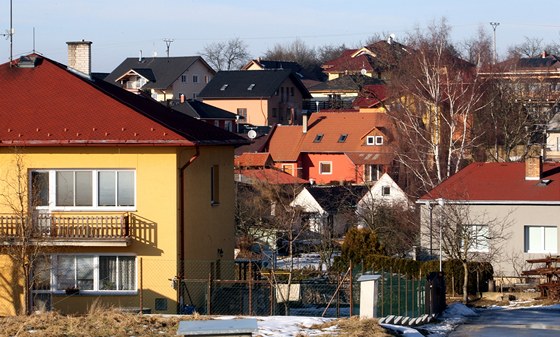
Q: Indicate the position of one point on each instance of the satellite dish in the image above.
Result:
(363, 71)
(252, 134)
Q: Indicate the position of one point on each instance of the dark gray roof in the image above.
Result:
(347, 82)
(335, 198)
(538, 62)
(161, 71)
(200, 110)
(250, 84)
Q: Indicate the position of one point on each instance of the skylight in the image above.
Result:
(251, 86)
(318, 138)
(224, 87)
(342, 138)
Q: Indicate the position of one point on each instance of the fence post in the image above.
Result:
(250, 284)
(351, 295)
(337, 296)
(209, 297)
(141, 288)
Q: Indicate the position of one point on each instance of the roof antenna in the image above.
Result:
(167, 43)
(33, 40)
(10, 35)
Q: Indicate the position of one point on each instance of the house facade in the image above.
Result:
(259, 98)
(511, 212)
(117, 194)
(335, 147)
(163, 78)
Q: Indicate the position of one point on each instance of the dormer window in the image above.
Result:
(251, 86)
(342, 138)
(318, 138)
(374, 140)
(223, 88)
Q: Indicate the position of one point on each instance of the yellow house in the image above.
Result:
(106, 196)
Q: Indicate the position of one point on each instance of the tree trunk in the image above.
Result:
(465, 282)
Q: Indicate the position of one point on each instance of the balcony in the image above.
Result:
(67, 230)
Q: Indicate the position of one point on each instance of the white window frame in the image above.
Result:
(547, 237)
(52, 204)
(96, 274)
(372, 172)
(378, 140)
(480, 235)
(321, 167)
(374, 140)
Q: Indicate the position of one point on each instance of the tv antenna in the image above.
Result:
(167, 43)
(10, 35)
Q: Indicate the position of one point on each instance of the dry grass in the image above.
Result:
(108, 322)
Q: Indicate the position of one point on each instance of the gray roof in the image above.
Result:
(250, 84)
(335, 198)
(160, 71)
(347, 82)
(200, 110)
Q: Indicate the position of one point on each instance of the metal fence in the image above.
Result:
(243, 288)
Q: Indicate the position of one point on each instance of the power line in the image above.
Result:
(167, 43)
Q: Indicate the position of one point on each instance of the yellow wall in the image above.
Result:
(157, 202)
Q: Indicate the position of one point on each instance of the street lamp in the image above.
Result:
(441, 203)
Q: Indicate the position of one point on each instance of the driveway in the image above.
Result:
(532, 321)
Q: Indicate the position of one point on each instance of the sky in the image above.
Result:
(123, 28)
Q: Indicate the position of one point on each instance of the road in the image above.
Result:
(533, 321)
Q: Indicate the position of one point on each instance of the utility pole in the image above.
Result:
(168, 43)
(494, 26)
(10, 36)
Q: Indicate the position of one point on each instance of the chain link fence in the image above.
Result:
(227, 287)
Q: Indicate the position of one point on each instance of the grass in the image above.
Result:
(110, 322)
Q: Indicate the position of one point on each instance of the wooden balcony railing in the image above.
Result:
(65, 227)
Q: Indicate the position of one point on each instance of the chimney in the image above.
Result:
(304, 122)
(79, 56)
(533, 168)
(182, 98)
(544, 54)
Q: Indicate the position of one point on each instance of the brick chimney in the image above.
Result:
(533, 168)
(79, 56)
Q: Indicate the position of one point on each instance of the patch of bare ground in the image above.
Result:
(353, 327)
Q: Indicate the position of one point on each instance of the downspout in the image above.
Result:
(182, 223)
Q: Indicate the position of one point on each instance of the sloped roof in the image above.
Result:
(347, 83)
(249, 84)
(48, 105)
(268, 175)
(333, 198)
(201, 110)
(377, 56)
(261, 159)
(287, 142)
(371, 96)
(499, 182)
(161, 71)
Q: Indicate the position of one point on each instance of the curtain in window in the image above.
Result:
(84, 188)
(127, 272)
(65, 272)
(84, 266)
(125, 188)
(107, 191)
(107, 273)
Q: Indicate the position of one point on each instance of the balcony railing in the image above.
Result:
(49, 227)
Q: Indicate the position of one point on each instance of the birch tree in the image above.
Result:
(437, 94)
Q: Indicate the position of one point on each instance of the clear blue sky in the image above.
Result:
(121, 28)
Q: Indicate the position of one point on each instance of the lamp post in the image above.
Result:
(441, 203)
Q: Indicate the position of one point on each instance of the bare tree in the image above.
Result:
(438, 94)
(468, 234)
(479, 50)
(227, 55)
(531, 47)
(21, 238)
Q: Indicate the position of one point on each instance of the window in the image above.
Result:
(83, 188)
(184, 78)
(325, 167)
(374, 140)
(386, 190)
(215, 185)
(288, 168)
(371, 172)
(242, 112)
(194, 94)
(224, 87)
(95, 273)
(195, 78)
(251, 86)
(318, 138)
(541, 239)
(342, 138)
(476, 238)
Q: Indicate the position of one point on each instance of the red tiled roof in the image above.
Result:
(371, 96)
(47, 104)
(499, 182)
(287, 142)
(346, 62)
(271, 176)
(261, 159)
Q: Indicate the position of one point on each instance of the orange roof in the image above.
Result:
(272, 176)
(247, 159)
(287, 142)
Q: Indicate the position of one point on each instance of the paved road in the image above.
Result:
(534, 322)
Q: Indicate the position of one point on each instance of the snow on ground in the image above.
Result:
(288, 326)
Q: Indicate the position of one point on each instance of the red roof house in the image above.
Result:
(523, 199)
